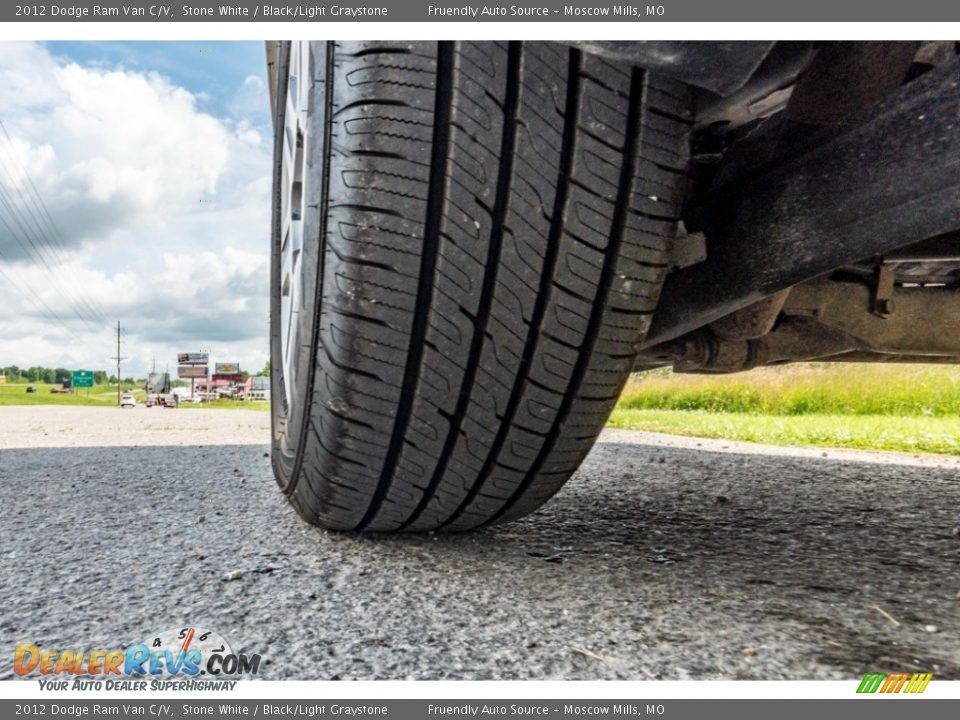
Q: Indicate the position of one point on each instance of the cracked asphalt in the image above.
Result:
(664, 558)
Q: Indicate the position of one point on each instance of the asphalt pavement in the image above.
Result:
(663, 558)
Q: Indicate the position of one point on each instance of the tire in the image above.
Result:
(482, 244)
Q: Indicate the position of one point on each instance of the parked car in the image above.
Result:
(128, 400)
(475, 243)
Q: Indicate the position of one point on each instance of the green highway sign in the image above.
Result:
(82, 378)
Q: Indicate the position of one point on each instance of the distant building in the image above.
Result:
(259, 388)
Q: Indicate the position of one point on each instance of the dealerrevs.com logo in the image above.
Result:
(179, 659)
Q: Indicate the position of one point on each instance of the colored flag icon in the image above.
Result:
(895, 683)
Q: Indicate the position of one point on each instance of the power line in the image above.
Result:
(25, 288)
(34, 196)
(17, 219)
(19, 214)
(50, 313)
(47, 311)
(52, 280)
(29, 213)
(52, 277)
(54, 232)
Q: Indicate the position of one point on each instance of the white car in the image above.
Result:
(128, 400)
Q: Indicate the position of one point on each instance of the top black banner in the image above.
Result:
(451, 11)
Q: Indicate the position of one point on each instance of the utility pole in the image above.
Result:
(118, 359)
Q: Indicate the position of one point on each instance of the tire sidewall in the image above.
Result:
(289, 420)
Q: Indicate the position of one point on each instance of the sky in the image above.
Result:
(134, 186)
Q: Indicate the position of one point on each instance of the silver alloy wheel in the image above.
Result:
(295, 140)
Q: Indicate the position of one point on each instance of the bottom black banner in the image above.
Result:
(875, 708)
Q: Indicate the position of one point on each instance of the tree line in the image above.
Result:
(38, 374)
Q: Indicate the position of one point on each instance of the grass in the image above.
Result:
(103, 395)
(907, 408)
(805, 389)
(862, 432)
(228, 404)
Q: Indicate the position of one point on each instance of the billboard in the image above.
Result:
(192, 371)
(200, 358)
(81, 378)
(228, 368)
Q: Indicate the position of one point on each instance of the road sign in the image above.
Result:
(200, 358)
(82, 378)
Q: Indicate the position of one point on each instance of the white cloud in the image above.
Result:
(165, 210)
(115, 148)
(26, 90)
(251, 98)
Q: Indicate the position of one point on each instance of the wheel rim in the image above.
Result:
(293, 192)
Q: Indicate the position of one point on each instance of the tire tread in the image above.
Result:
(499, 222)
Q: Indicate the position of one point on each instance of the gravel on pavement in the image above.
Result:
(663, 558)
